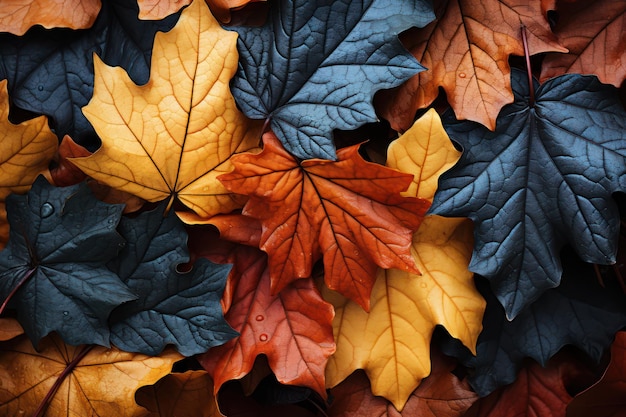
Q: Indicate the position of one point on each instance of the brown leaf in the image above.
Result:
(292, 328)
(466, 51)
(606, 398)
(9, 328)
(103, 383)
(188, 394)
(4, 226)
(17, 16)
(350, 211)
(595, 34)
(442, 394)
(160, 9)
(66, 173)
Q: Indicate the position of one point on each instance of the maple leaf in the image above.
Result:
(314, 66)
(26, 149)
(466, 51)
(173, 136)
(37, 65)
(159, 9)
(179, 394)
(16, 16)
(606, 397)
(182, 309)
(392, 342)
(102, 383)
(441, 394)
(594, 36)
(64, 173)
(542, 179)
(350, 211)
(538, 391)
(579, 312)
(292, 328)
(53, 267)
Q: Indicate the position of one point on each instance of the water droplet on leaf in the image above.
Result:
(47, 210)
(263, 337)
(462, 75)
(259, 318)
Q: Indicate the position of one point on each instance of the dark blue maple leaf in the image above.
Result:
(316, 64)
(182, 309)
(62, 238)
(580, 312)
(543, 178)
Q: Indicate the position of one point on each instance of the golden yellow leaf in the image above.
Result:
(171, 138)
(102, 384)
(17, 16)
(26, 149)
(425, 150)
(392, 342)
(9, 328)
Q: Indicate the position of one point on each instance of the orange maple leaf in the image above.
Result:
(466, 51)
(349, 210)
(16, 16)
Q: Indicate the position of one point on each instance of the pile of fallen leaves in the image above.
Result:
(312, 208)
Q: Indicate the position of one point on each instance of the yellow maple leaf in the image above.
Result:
(103, 383)
(392, 342)
(171, 138)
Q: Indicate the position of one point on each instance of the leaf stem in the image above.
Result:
(531, 88)
(15, 289)
(57, 384)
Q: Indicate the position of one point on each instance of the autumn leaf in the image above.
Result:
(9, 328)
(442, 394)
(466, 51)
(159, 9)
(350, 211)
(64, 173)
(392, 342)
(171, 138)
(50, 72)
(16, 16)
(102, 383)
(543, 179)
(4, 226)
(315, 66)
(182, 309)
(578, 312)
(53, 269)
(595, 37)
(291, 328)
(538, 391)
(606, 398)
(26, 149)
(188, 394)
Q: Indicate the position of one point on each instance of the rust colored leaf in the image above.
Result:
(595, 34)
(4, 226)
(537, 392)
(188, 394)
(442, 394)
(66, 173)
(466, 51)
(17, 16)
(171, 138)
(26, 149)
(351, 211)
(159, 9)
(292, 328)
(102, 384)
(606, 398)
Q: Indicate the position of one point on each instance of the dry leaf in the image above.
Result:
(103, 383)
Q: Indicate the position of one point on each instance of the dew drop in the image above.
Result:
(462, 75)
(259, 317)
(263, 337)
(40, 87)
(66, 313)
(46, 210)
